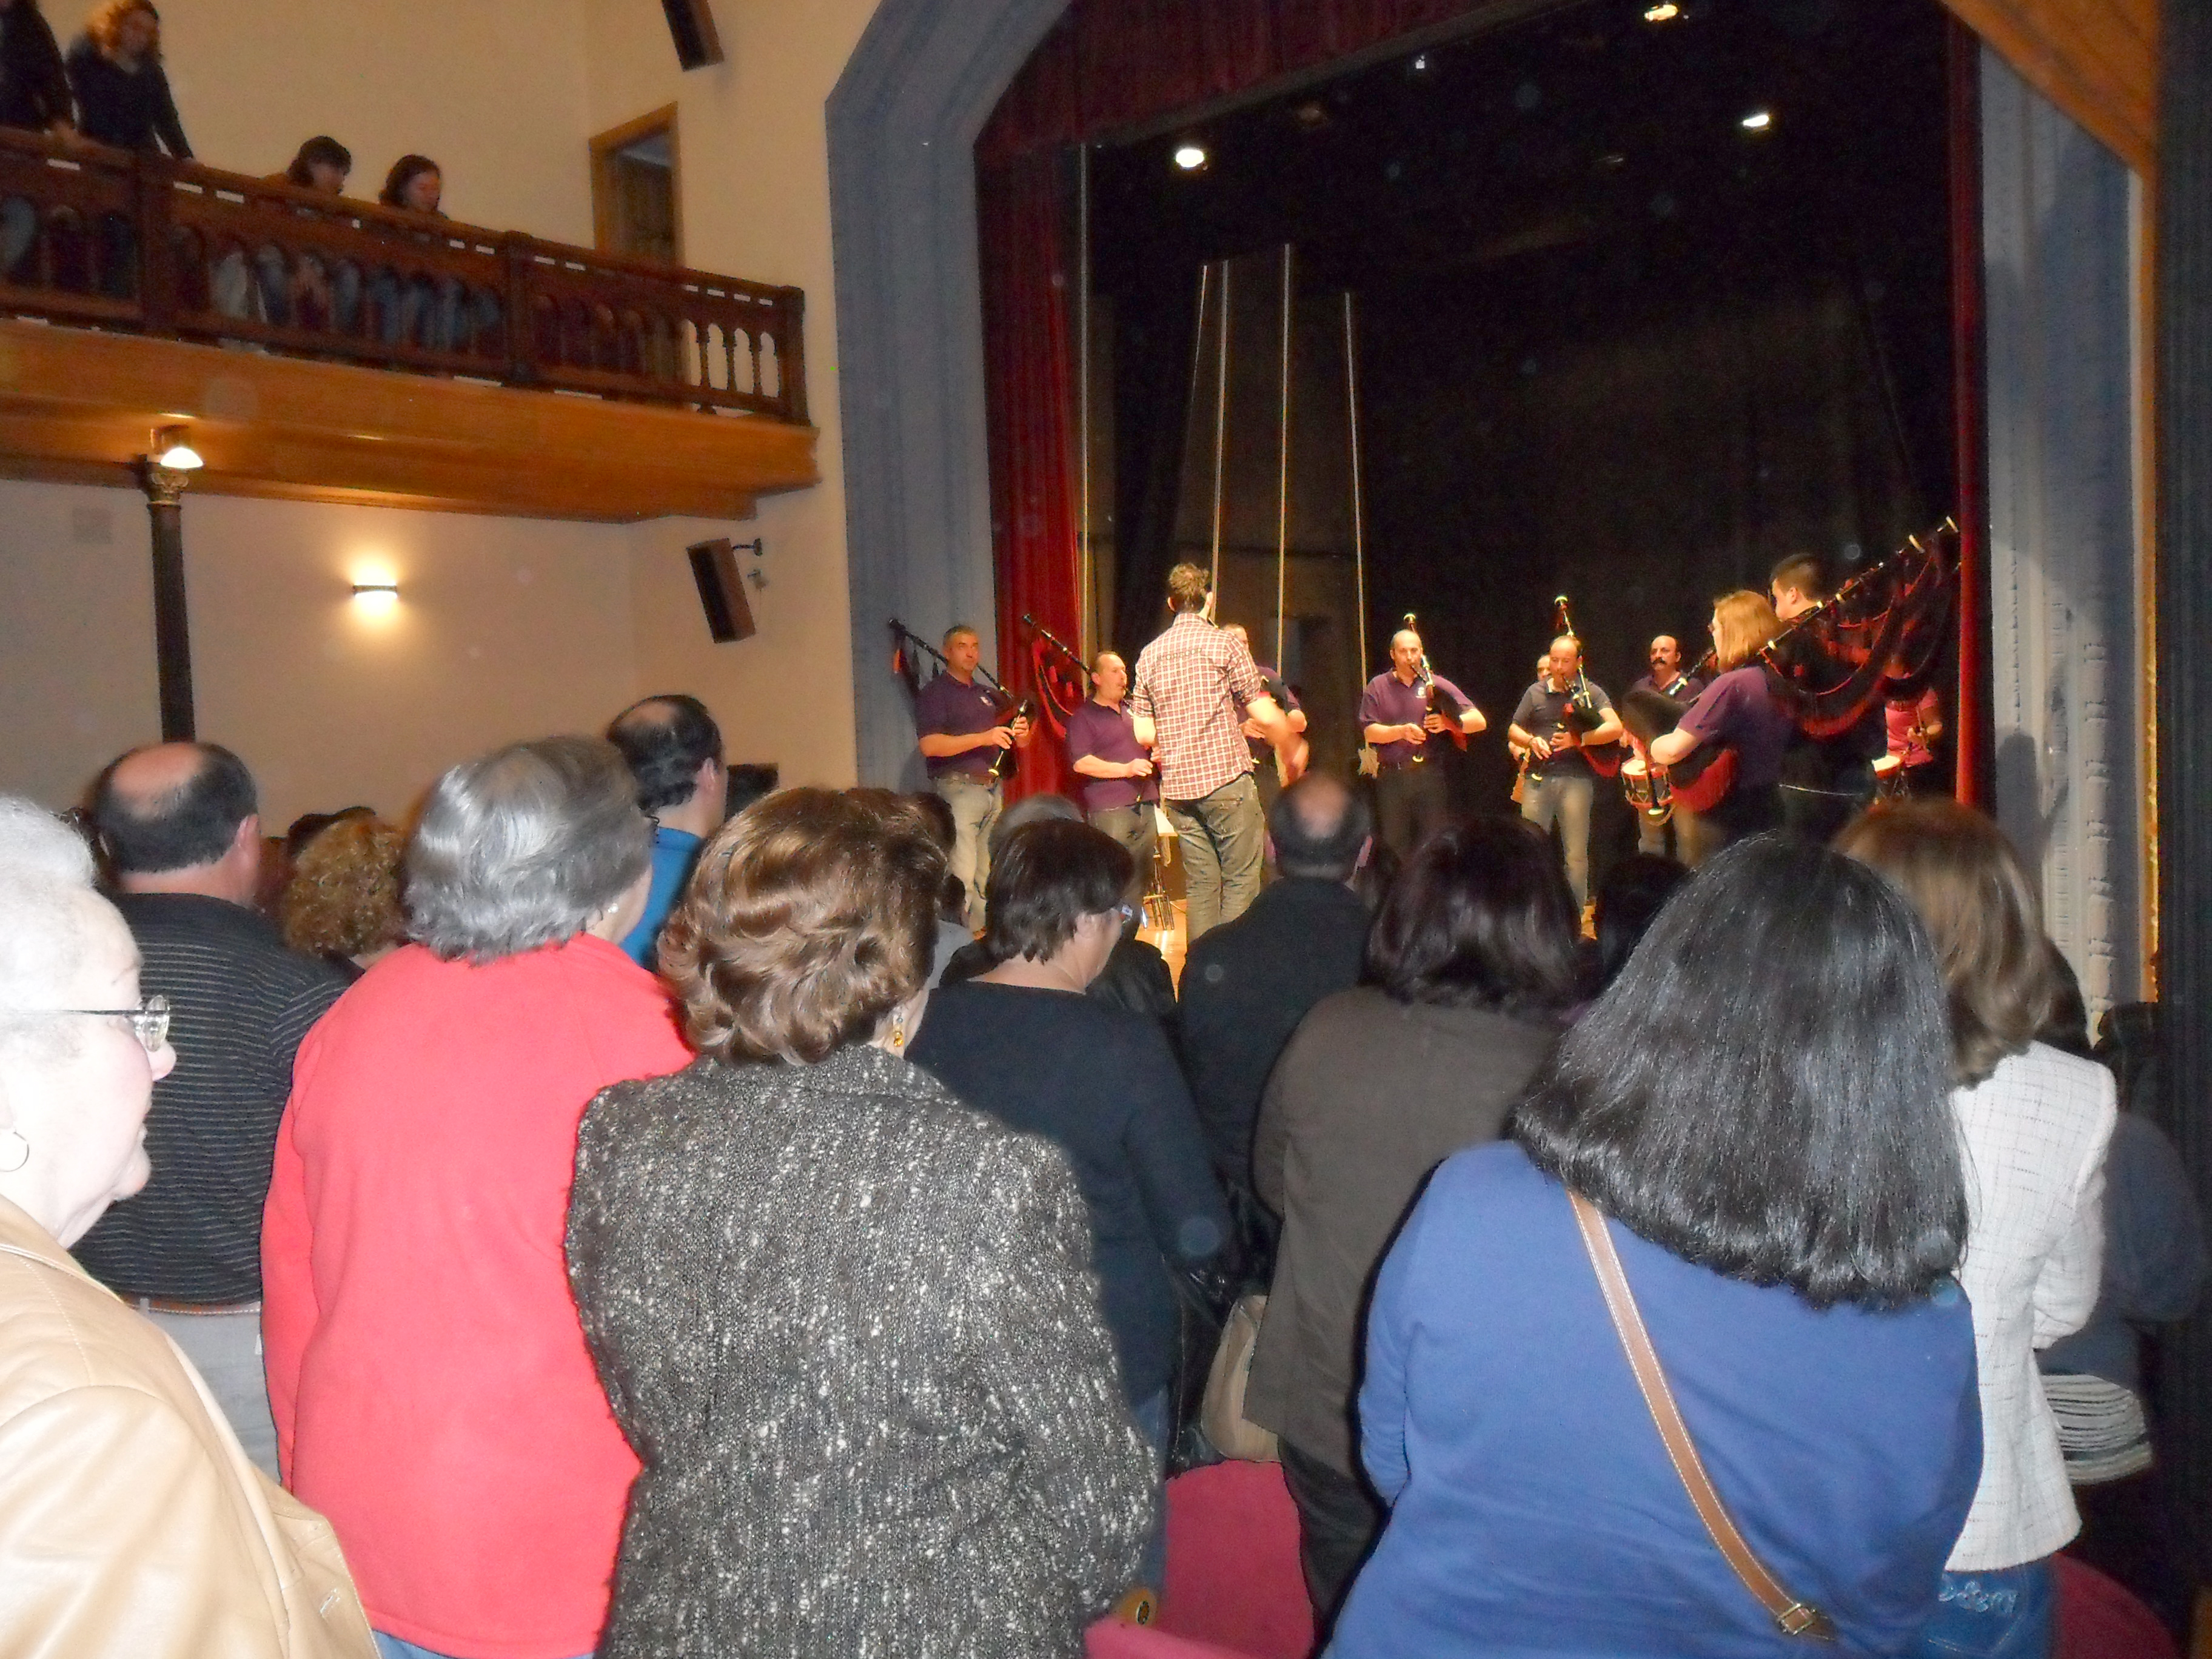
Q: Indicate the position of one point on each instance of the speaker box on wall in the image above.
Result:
(692, 23)
(722, 590)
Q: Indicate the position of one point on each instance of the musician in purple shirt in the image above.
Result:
(1737, 711)
(964, 730)
(1395, 716)
(1110, 748)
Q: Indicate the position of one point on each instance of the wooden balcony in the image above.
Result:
(324, 348)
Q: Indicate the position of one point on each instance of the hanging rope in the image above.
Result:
(1283, 475)
(1359, 536)
(1220, 431)
(1087, 575)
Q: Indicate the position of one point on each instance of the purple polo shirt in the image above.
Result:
(945, 707)
(1108, 734)
(1389, 701)
(1739, 710)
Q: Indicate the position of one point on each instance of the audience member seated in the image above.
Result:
(1248, 983)
(2035, 1124)
(674, 752)
(423, 311)
(952, 934)
(312, 294)
(130, 1519)
(1136, 976)
(342, 902)
(433, 1393)
(848, 1323)
(1471, 961)
(122, 99)
(183, 834)
(34, 97)
(1023, 1043)
(1759, 1106)
(1628, 901)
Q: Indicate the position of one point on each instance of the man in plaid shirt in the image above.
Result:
(1190, 683)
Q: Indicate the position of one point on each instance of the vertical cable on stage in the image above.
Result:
(1086, 574)
(1359, 534)
(1220, 432)
(1283, 477)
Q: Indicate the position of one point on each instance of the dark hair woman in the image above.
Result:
(432, 1392)
(1469, 964)
(1026, 1045)
(1758, 1106)
(1739, 711)
(2035, 1124)
(847, 1322)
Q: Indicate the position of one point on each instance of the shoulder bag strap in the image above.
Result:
(1792, 1616)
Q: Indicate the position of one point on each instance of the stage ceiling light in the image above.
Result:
(172, 448)
(1665, 11)
(1758, 121)
(1190, 157)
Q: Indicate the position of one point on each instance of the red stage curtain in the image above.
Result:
(1106, 63)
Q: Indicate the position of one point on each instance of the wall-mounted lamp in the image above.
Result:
(376, 590)
(172, 448)
(376, 597)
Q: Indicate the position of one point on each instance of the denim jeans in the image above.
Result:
(974, 802)
(1223, 840)
(18, 228)
(1155, 1421)
(1132, 826)
(2012, 1613)
(1564, 798)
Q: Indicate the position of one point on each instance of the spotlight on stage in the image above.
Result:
(1758, 121)
(1190, 157)
(1665, 11)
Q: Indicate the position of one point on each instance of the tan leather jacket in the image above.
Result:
(131, 1521)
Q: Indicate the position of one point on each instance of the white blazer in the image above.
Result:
(2032, 1136)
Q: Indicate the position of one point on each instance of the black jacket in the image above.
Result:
(34, 92)
(130, 109)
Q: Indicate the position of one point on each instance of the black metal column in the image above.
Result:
(172, 637)
(2184, 682)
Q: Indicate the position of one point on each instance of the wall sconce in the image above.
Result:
(376, 597)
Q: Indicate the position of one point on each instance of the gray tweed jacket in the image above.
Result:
(850, 1328)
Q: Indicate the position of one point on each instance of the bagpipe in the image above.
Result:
(1433, 700)
(1059, 674)
(908, 666)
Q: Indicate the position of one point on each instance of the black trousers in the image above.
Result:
(1410, 804)
(1339, 1520)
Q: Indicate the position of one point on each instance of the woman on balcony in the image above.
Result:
(34, 97)
(122, 92)
(405, 309)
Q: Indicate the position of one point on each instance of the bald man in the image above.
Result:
(182, 829)
(1398, 720)
(1112, 750)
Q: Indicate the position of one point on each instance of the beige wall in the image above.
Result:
(493, 90)
(505, 92)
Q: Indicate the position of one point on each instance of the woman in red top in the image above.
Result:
(432, 1390)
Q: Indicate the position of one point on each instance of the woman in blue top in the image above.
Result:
(1760, 1106)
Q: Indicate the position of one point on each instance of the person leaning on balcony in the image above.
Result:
(405, 309)
(122, 99)
(34, 96)
(313, 295)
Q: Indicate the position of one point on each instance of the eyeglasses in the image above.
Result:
(150, 1020)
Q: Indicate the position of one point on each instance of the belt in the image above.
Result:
(1401, 765)
(980, 780)
(164, 1305)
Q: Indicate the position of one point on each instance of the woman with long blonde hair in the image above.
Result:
(1738, 711)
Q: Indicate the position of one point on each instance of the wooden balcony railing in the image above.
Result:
(117, 241)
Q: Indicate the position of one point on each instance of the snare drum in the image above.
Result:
(1889, 777)
(1649, 792)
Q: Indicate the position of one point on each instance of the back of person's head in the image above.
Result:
(2067, 1026)
(1963, 876)
(320, 151)
(1764, 1090)
(1188, 586)
(1319, 827)
(1032, 809)
(1045, 877)
(35, 842)
(404, 171)
(1481, 916)
(810, 917)
(523, 847)
(1630, 900)
(190, 819)
(1744, 624)
(308, 825)
(1805, 573)
(343, 896)
(667, 739)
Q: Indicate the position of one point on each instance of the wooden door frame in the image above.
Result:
(606, 145)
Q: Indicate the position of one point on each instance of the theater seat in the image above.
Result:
(1233, 1585)
(2098, 1618)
